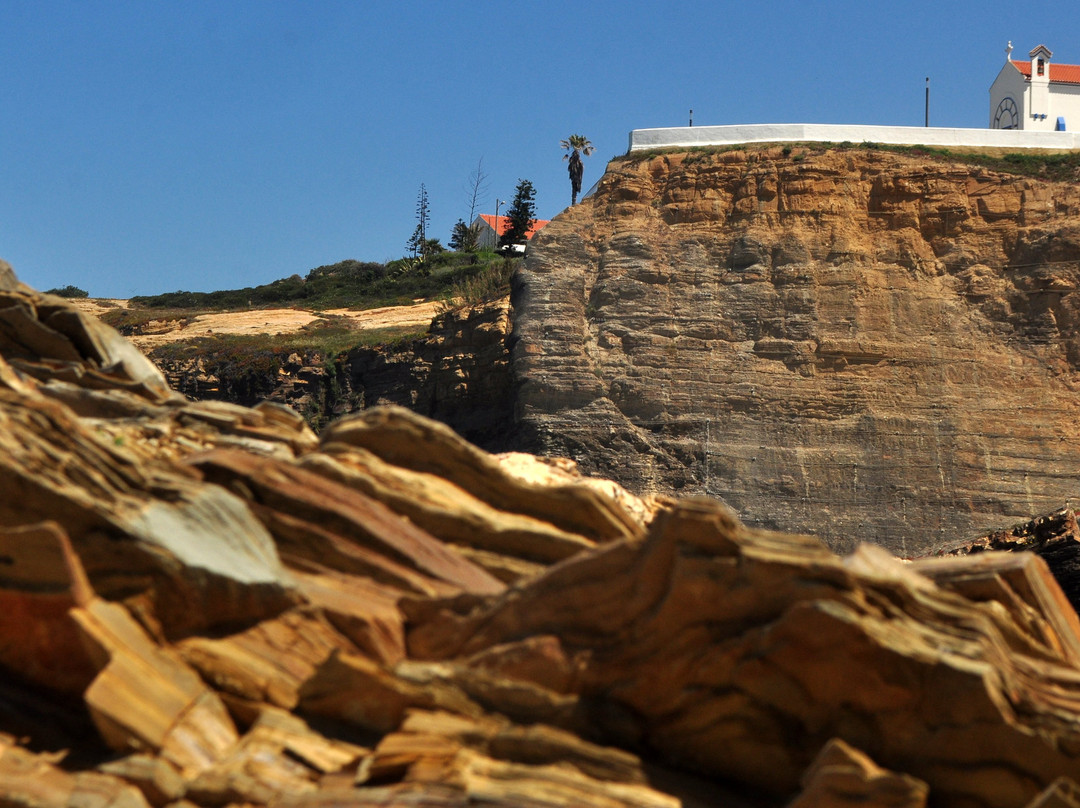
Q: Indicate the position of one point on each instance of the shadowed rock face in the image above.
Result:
(861, 345)
(458, 373)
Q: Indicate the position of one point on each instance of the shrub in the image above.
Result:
(68, 291)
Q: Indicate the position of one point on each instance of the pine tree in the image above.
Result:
(415, 244)
(462, 237)
(521, 215)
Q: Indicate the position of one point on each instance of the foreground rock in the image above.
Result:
(207, 605)
(853, 343)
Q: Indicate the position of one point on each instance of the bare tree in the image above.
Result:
(476, 189)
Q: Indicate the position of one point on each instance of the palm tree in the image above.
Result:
(576, 145)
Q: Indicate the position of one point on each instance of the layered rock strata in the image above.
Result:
(208, 605)
(860, 344)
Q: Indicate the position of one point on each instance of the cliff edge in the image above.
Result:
(854, 343)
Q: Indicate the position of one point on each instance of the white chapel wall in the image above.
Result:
(690, 136)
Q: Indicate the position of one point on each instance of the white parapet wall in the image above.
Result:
(690, 136)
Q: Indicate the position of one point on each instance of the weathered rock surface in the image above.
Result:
(858, 344)
(458, 373)
(206, 605)
(1054, 537)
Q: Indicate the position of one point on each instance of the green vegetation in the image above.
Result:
(491, 283)
(575, 146)
(417, 243)
(251, 362)
(1056, 166)
(348, 284)
(68, 291)
(129, 321)
(252, 353)
(521, 214)
(463, 238)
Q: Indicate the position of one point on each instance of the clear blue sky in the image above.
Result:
(156, 145)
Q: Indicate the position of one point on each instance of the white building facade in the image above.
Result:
(1035, 95)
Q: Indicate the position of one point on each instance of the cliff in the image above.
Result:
(858, 344)
(457, 373)
(208, 605)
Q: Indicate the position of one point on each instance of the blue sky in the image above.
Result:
(159, 145)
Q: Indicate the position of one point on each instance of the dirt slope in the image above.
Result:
(265, 321)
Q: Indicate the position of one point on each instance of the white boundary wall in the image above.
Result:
(689, 136)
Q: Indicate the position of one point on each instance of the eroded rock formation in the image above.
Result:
(860, 344)
(458, 373)
(202, 604)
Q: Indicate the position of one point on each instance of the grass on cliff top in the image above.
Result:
(1049, 165)
(346, 285)
(260, 354)
(457, 279)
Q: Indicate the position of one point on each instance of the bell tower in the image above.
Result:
(1038, 112)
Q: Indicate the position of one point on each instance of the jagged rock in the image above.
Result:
(279, 755)
(397, 436)
(1062, 793)
(1013, 581)
(146, 698)
(157, 779)
(1054, 538)
(842, 776)
(487, 762)
(38, 640)
(741, 653)
(49, 337)
(204, 605)
(268, 663)
(36, 781)
(323, 521)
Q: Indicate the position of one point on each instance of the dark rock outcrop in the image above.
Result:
(1054, 538)
(458, 373)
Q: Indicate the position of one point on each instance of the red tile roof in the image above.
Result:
(1062, 74)
(504, 224)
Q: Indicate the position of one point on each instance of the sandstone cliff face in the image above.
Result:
(862, 345)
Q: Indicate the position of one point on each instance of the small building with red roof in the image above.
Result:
(489, 228)
(1034, 94)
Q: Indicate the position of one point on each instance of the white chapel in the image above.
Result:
(1035, 94)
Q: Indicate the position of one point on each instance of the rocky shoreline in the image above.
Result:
(206, 604)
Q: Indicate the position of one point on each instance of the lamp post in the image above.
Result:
(497, 233)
